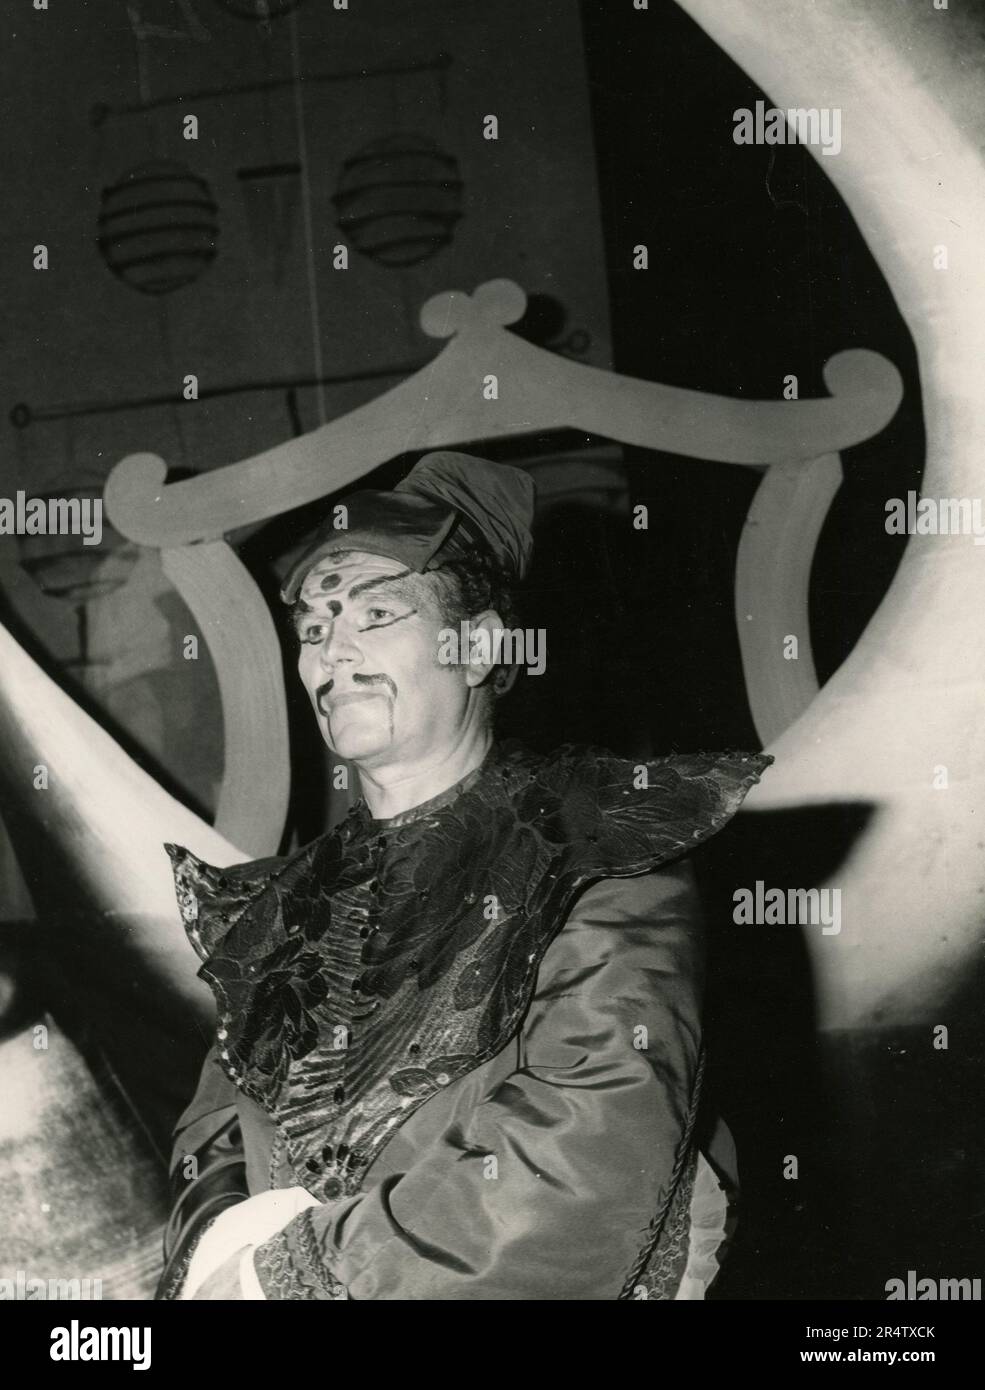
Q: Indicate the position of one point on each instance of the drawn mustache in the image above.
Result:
(358, 681)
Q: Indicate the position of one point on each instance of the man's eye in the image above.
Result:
(314, 633)
(379, 615)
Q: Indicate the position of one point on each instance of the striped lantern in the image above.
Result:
(158, 227)
(398, 199)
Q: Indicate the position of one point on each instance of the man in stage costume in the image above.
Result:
(458, 1045)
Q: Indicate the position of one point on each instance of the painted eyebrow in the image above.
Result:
(302, 610)
(375, 583)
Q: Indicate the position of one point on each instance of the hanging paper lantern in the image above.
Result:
(398, 199)
(158, 227)
(260, 10)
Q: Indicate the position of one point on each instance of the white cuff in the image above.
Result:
(248, 1281)
(247, 1223)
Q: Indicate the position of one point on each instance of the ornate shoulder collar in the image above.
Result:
(466, 898)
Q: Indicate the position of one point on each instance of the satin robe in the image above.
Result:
(536, 1175)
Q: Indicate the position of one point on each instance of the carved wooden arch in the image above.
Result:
(443, 405)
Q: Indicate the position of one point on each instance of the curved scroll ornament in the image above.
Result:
(239, 631)
(772, 580)
(444, 405)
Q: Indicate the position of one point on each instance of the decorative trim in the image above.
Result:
(289, 1265)
(661, 1232)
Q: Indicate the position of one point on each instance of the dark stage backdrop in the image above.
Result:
(756, 271)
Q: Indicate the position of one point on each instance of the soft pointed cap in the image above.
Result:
(448, 503)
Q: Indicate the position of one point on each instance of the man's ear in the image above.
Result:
(485, 640)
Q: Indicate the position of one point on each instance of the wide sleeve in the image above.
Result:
(212, 1106)
(207, 1171)
(547, 1187)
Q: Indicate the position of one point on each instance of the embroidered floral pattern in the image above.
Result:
(289, 1266)
(417, 943)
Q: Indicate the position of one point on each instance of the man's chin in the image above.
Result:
(361, 756)
(355, 744)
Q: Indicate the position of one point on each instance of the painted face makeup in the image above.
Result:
(368, 635)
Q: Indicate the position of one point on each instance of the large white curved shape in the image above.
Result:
(911, 697)
(91, 840)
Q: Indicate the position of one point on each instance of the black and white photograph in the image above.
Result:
(492, 663)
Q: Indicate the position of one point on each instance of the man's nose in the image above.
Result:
(338, 646)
